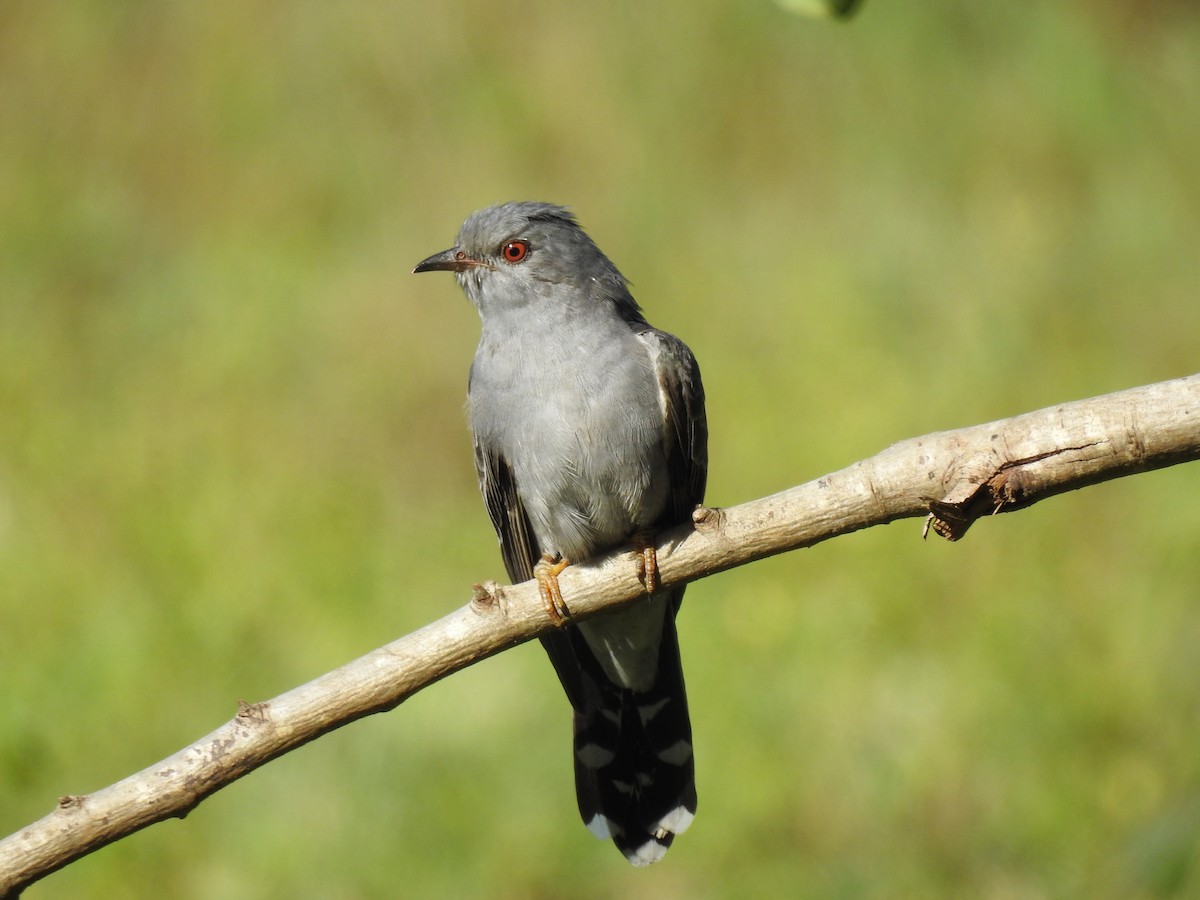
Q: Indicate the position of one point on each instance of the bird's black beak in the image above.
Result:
(452, 260)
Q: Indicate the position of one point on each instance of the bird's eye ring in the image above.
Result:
(515, 251)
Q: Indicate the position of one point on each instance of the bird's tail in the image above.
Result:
(634, 772)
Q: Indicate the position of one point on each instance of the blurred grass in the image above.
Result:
(233, 453)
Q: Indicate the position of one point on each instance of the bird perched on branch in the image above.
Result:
(590, 434)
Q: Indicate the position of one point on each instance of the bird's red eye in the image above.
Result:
(515, 251)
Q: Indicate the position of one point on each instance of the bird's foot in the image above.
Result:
(647, 564)
(546, 572)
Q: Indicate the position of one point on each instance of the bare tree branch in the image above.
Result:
(952, 477)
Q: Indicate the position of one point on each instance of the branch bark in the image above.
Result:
(951, 477)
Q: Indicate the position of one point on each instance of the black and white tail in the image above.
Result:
(634, 772)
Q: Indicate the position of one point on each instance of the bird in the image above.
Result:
(590, 434)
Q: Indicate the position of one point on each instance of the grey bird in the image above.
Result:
(590, 434)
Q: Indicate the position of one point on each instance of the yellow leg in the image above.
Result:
(546, 572)
(647, 565)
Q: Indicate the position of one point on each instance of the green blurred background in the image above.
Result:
(233, 452)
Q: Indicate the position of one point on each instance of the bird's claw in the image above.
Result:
(546, 572)
(647, 563)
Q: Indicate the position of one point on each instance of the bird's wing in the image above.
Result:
(507, 512)
(685, 428)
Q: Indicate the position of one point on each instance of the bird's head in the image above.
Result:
(517, 254)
